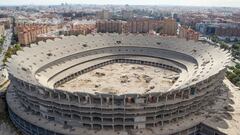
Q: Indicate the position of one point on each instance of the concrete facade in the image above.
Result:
(110, 26)
(104, 14)
(188, 34)
(164, 27)
(36, 101)
(28, 33)
(169, 27)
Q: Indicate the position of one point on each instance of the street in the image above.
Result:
(6, 44)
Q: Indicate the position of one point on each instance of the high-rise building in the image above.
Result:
(166, 27)
(127, 14)
(2, 29)
(219, 29)
(169, 27)
(27, 33)
(110, 26)
(104, 14)
(6, 22)
(188, 33)
(83, 27)
(143, 25)
(228, 31)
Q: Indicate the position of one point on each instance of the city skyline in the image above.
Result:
(209, 3)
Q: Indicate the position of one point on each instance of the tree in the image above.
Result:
(228, 39)
(231, 67)
(11, 51)
(238, 84)
(231, 75)
(236, 71)
(224, 46)
(236, 79)
(214, 38)
(236, 46)
(235, 40)
(237, 65)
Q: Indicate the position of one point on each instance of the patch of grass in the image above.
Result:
(11, 51)
(233, 74)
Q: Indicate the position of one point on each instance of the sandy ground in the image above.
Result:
(121, 78)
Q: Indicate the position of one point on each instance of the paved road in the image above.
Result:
(5, 128)
(6, 44)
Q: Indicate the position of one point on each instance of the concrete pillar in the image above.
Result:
(101, 99)
(67, 96)
(50, 94)
(182, 95)
(92, 122)
(107, 100)
(112, 100)
(29, 88)
(150, 97)
(79, 99)
(124, 101)
(59, 98)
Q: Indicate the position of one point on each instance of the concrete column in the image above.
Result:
(50, 94)
(124, 101)
(101, 99)
(59, 98)
(89, 99)
(79, 99)
(195, 130)
(29, 87)
(107, 100)
(150, 97)
(92, 122)
(146, 100)
(112, 100)
(185, 111)
(67, 96)
(157, 99)
(182, 95)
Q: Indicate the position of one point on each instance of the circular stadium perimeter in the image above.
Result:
(111, 82)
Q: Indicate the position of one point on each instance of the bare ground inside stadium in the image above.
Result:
(122, 78)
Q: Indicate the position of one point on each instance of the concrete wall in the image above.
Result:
(112, 111)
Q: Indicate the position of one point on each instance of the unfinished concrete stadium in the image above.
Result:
(115, 84)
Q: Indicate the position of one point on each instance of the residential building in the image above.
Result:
(27, 33)
(6, 22)
(2, 29)
(169, 27)
(110, 26)
(188, 33)
(104, 14)
(143, 25)
(83, 27)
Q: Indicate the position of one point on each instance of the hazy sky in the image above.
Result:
(225, 3)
